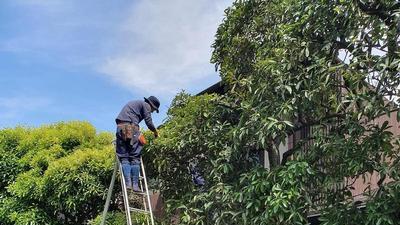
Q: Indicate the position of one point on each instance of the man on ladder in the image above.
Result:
(128, 138)
(129, 143)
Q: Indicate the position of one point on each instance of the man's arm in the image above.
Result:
(148, 120)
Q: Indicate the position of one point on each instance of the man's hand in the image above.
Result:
(155, 134)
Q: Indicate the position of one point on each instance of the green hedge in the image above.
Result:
(54, 174)
(119, 218)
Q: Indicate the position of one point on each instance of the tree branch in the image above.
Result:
(376, 9)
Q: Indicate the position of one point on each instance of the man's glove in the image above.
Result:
(155, 133)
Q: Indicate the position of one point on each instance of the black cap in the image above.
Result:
(154, 102)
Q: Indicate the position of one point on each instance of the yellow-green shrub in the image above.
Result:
(54, 174)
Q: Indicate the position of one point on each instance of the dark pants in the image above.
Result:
(129, 152)
(131, 171)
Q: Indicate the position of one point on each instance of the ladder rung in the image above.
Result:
(138, 193)
(139, 210)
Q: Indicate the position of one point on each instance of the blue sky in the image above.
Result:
(67, 60)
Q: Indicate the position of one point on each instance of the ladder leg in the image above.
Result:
(109, 194)
(147, 192)
(142, 190)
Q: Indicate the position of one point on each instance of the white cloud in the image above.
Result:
(166, 45)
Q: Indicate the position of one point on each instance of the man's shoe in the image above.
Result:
(136, 188)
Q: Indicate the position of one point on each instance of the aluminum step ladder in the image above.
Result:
(143, 194)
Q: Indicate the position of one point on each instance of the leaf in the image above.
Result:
(384, 125)
(289, 89)
(307, 52)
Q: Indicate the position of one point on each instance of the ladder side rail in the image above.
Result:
(109, 194)
(147, 191)
(142, 190)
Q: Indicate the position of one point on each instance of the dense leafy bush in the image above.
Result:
(119, 218)
(55, 174)
(114, 218)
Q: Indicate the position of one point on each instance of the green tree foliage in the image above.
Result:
(284, 68)
(114, 218)
(119, 218)
(56, 174)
